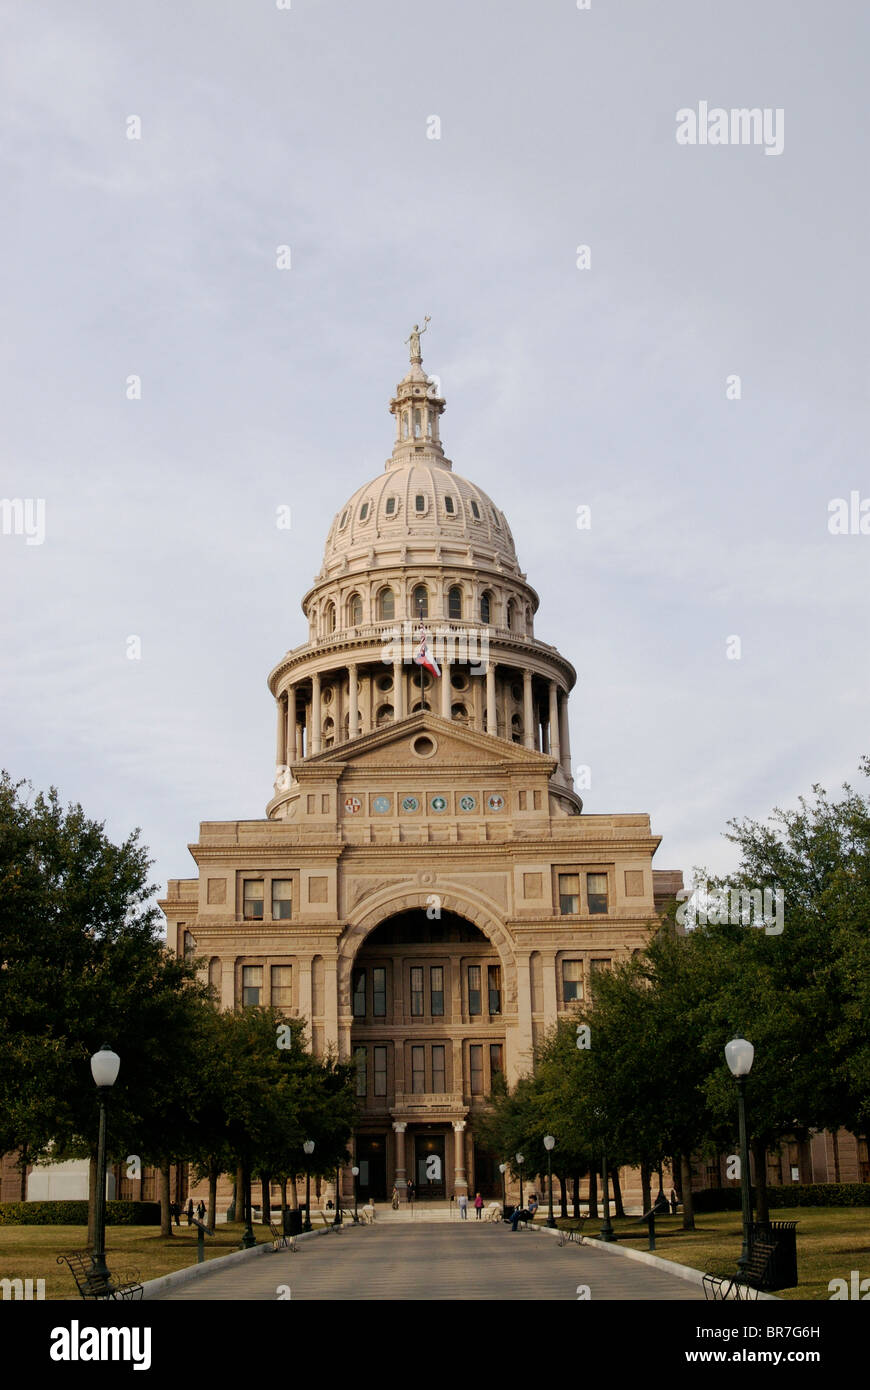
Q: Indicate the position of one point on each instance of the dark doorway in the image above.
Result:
(371, 1156)
(429, 1166)
(487, 1178)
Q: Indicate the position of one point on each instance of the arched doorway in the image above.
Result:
(427, 1037)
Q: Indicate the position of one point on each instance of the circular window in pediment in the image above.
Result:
(423, 746)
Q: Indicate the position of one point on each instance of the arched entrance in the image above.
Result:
(428, 1019)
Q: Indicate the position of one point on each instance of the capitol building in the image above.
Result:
(425, 889)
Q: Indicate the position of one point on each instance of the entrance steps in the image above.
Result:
(421, 1212)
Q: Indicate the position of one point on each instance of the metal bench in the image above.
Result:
(281, 1240)
(122, 1285)
(573, 1236)
(746, 1284)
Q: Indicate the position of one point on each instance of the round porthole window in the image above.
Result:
(423, 746)
(385, 683)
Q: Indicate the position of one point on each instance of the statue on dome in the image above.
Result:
(416, 334)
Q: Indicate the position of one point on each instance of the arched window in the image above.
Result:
(354, 610)
(459, 713)
(328, 733)
(329, 618)
(420, 602)
(516, 729)
(418, 425)
(454, 602)
(404, 424)
(511, 611)
(189, 946)
(387, 605)
(384, 715)
(486, 608)
(416, 706)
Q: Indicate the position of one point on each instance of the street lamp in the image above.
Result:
(308, 1150)
(337, 1220)
(739, 1055)
(502, 1168)
(104, 1069)
(549, 1145)
(519, 1159)
(355, 1171)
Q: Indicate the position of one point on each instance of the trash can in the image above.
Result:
(782, 1272)
(293, 1222)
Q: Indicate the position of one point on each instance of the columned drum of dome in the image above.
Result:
(425, 889)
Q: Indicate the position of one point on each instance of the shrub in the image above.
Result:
(75, 1213)
(817, 1194)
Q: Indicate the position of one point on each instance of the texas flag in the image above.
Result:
(424, 657)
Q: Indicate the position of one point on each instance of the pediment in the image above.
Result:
(399, 747)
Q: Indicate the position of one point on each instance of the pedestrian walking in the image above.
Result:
(200, 1209)
(395, 1202)
(462, 1200)
(478, 1206)
(410, 1189)
(673, 1202)
(190, 1211)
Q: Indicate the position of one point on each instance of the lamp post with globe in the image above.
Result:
(104, 1069)
(739, 1055)
(549, 1145)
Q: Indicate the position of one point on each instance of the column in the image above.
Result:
(316, 732)
(565, 738)
(401, 1178)
(554, 739)
(290, 753)
(446, 690)
(353, 725)
(330, 1032)
(460, 1181)
(528, 711)
(491, 717)
(477, 702)
(305, 996)
(300, 731)
(281, 745)
(398, 691)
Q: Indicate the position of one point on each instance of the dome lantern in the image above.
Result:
(417, 408)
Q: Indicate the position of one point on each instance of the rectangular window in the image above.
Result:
(569, 894)
(360, 1059)
(596, 892)
(252, 985)
(418, 1070)
(436, 990)
(475, 1059)
(596, 965)
(493, 988)
(282, 894)
(359, 994)
(380, 1060)
(438, 1075)
(572, 980)
(282, 986)
(379, 991)
(416, 990)
(496, 1061)
(474, 989)
(252, 904)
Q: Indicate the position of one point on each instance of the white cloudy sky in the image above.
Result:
(307, 127)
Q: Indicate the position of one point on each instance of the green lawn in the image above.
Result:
(30, 1252)
(831, 1241)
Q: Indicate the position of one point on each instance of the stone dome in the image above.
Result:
(422, 501)
(418, 500)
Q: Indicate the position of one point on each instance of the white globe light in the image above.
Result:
(308, 1146)
(502, 1167)
(519, 1158)
(355, 1171)
(104, 1066)
(739, 1054)
(549, 1142)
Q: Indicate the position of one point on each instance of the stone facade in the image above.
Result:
(424, 890)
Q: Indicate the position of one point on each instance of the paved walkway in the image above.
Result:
(468, 1260)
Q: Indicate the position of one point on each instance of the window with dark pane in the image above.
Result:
(474, 989)
(418, 1070)
(252, 910)
(569, 894)
(379, 991)
(282, 899)
(596, 892)
(436, 990)
(493, 988)
(252, 985)
(359, 994)
(417, 990)
(475, 1062)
